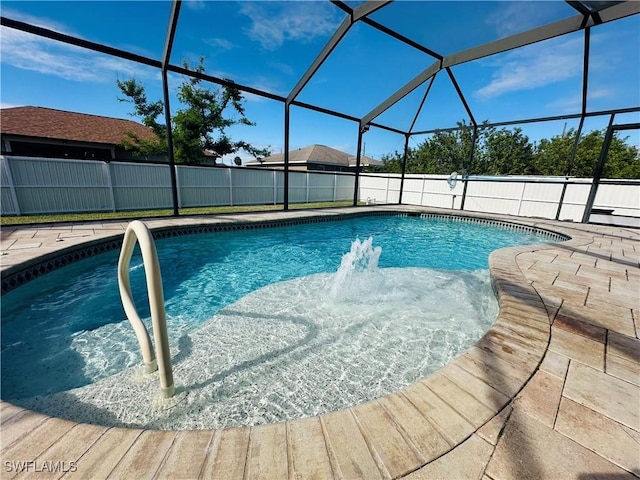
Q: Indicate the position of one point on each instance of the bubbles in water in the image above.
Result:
(358, 276)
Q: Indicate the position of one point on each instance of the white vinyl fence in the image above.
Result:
(44, 185)
(506, 195)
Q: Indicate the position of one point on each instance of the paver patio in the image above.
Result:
(551, 391)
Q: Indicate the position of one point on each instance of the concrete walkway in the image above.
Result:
(551, 391)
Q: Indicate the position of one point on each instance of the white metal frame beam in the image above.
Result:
(403, 92)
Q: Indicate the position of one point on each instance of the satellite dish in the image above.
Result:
(452, 180)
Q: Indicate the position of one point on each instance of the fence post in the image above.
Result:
(307, 177)
(275, 187)
(561, 199)
(524, 186)
(178, 187)
(386, 192)
(106, 169)
(12, 188)
(335, 187)
(230, 187)
(424, 184)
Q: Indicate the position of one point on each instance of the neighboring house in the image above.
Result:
(317, 157)
(45, 132)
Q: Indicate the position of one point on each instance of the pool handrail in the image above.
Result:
(137, 230)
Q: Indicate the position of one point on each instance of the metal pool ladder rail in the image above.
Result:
(138, 230)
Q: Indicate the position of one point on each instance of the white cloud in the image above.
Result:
(39, 54)
(221, 43)
(533, 67)
(573, 103)
(264, 84)
(252, 97)
(516, 17)
(273, 23)
(566, 104)
(195, 4)
(285, 68)
(10, 105)
(38, 21)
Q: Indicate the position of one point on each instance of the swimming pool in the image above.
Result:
(68, 325)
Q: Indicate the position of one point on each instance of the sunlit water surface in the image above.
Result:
(265, 325)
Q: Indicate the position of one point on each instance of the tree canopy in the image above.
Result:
(198, 128)
(510, 152)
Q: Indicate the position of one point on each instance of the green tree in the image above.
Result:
(445, 152)
(442, 153)
(199, 127)
(392, 162)
(623, 161)
(552, 156)
(148, 112)
(507, 152)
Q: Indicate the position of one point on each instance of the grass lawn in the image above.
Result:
(80, 217)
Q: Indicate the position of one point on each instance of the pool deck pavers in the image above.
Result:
(551, 391)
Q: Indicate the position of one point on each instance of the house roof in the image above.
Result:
(62, 125)
(319, 154)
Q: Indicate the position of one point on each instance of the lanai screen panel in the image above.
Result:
(450, 27)
(365, 66)
(264, 45)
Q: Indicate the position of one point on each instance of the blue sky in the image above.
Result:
(269, 45)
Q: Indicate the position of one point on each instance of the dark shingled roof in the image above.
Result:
(59, 124)
(319, 154)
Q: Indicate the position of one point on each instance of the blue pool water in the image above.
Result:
(67, 329)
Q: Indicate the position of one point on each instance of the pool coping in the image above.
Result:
(465, 405)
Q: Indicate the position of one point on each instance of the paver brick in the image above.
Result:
(623, 369)
(603, 393)
(179, 465)
(577, 347)
(348, 451)
(499, 373)
(466, 461)
(555, 364)
(415, 427)
(474, 411)
(144, 457)
(227, 454)
(528, 450)
(308, 456)
(599, 434)
(64, 455)
(267, 454)
(449, 423)
(491, 430)
(540, 397)
(397, 455)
